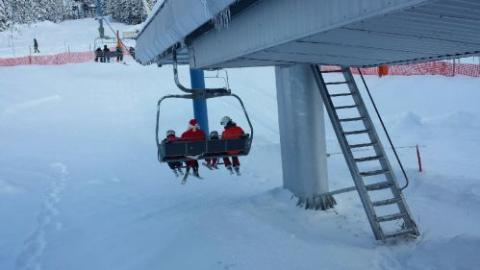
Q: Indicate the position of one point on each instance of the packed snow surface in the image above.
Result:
(67, 36)
(80, 186)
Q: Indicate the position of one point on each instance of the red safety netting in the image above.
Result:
(54, 59)
(429, 68)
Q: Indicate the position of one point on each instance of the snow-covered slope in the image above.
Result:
(80, 187)
(72, 35)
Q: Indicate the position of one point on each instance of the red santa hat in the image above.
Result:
(193, 123)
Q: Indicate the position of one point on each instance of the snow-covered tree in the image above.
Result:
(22, 11)
(4, 15)
(127, 11)
(52, 10)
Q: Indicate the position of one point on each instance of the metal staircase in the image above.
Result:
(374, 179)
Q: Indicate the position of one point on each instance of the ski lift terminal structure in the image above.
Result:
(298, 36)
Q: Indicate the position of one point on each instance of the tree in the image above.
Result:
(126, 11)
(4, 16)
(23, 11)
(52, 10)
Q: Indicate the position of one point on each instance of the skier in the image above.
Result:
(35, 46)
(119, 53)
(193, 133)
(131, 51)
(212, 162)
(231, 131)
(106, 54)
(98, 55)
(176, 166)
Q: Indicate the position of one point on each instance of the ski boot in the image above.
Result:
(229, 168)
(237, 170)
(195, 172)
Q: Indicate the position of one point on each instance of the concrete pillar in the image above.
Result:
(302, 136)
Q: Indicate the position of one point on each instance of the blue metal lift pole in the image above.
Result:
(199, 104)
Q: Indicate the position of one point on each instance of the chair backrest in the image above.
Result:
(181, 150)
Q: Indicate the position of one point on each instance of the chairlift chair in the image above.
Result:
(187, 150)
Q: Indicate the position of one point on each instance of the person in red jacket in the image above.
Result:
(176, 166)
(193, 133)
(231, 131)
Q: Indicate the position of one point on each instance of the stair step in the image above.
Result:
(336, 83)
(356, 132)
(363, 159)
(378, 186)
(386, 202)
(391, 217)
(362, 145)
(345, 107)
(400, 233)
(341, 95)
(372, 173)
(333, 71)
(351, 119)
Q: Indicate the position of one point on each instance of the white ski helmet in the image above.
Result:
(225, 120)
(170, 132)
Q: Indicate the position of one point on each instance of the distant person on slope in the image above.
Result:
(193, 133)
(176, 166)
(106, 53)
(231, 131)
(119, 53)
(35, 46)
(131, 50)
(98, 55)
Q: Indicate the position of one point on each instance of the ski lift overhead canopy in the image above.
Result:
(336, 32)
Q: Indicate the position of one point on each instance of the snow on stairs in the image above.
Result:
(403, 223)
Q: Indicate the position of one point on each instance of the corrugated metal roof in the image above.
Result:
(437, 29)
(172, 22)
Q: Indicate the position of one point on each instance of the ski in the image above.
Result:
(184, 179)
(208, 166)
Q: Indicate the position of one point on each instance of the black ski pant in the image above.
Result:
(235, 161)
(175, 165)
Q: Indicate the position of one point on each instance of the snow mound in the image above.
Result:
(459, 253)
(407, 120)
(6, 187)
(29, 105)
(457, 119)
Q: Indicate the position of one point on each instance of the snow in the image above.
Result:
(80, 186)
(72, 35)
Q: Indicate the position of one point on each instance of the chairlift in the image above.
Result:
(187, 150)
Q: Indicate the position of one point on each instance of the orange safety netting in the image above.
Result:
(429, 68)
(53, 59)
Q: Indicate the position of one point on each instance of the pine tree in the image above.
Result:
(126, 11)
(40, 9)
(4, 16)
(52, 10)
(23, 11)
